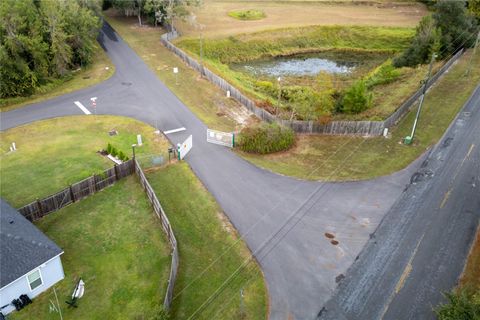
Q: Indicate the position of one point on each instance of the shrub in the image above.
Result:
(356, 99)
(384, 74)
(461, 305)
(265, 138)
(122, 156)
(109, 148)
(266, 87)
(114, 152)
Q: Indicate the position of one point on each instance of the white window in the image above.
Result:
(34, 279)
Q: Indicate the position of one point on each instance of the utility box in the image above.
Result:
(407, 140)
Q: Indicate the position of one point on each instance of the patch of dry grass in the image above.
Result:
(471, 275)
(212, 18)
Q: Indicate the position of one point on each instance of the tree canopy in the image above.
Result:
(156, 11)
(43, 40)
(450, 28)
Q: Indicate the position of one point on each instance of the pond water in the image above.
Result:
(302, 65)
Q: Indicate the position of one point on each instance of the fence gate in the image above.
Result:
(222, 138)
(184, 148)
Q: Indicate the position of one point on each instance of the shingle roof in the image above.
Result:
(23, 246)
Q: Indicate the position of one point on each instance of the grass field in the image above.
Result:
(353, 158)
(114, 241)
(52, 154)
(204, 234)
(287, 41)
(204, 99)
(212, 18)
(100, 70)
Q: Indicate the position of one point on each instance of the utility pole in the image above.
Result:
(473, 54)
(409, 139)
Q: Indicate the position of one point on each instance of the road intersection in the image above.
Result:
(287, 223)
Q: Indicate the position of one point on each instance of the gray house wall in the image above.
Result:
(51, 272)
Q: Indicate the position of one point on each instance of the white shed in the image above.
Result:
(29, 261)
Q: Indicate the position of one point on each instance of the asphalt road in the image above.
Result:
(420, 248)
(282, 220)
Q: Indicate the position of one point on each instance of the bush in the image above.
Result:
(266, 87)
(356, 99)
(121, 155)
(462, 305)
(384, 74)
(265, 138)
(109, 148)
(114, 152)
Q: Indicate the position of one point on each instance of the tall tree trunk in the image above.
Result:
(139, 17)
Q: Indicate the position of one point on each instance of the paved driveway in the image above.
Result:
(282, 220)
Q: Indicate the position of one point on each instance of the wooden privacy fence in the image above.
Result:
(157, 207)
(363, 128)
(408, 104)
(40, 208)
(76, 191)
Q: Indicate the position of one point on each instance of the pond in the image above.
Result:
(307, 64)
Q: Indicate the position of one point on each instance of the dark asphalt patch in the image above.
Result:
(447, 142)
(420, 176)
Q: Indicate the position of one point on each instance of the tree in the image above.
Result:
(53, 13)
(474, 8)
(156, 10)
(42, 40)
(427, 40)
(82, 26)
(457, 26)
(130, 7)
(23, 52)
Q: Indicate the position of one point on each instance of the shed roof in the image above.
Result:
(23, 247)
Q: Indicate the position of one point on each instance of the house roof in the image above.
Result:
(23, 247)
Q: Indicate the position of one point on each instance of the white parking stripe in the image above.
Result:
(85, 110)
(174, 130)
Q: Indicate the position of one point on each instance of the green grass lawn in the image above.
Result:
(287, 41)
(202, 97)
(351, 158)
(115, 242)
(203, 234)
(88, 76)
(52, 154)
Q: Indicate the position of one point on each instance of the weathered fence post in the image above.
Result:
(115, 169)
(94, 183)
(40, 210)
(72, 195)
